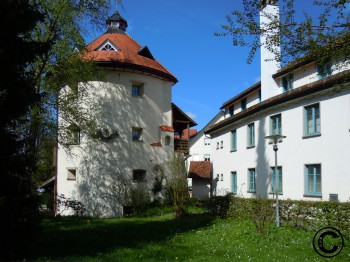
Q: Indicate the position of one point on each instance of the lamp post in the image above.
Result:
(275, 139)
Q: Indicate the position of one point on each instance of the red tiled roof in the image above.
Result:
(167, 128)
(200, 169)
(127, 56)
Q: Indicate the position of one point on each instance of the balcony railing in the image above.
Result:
(180, 145)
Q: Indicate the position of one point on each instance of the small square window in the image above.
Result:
(137, 90)
(71, 174)
(222, 144)
(217, 145)
(139, 175)
(207, 141)
(324, 70)
(136, 134)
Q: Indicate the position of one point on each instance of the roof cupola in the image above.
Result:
(116, 24)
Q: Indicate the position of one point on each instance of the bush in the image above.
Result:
(308, 215)
(64, 203)
(218, 205)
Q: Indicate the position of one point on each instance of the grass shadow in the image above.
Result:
(69, 237)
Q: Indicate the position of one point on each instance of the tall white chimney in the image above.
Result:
(269, 11)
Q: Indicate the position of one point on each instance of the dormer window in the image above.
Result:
(324, 70)
(107, 46)
(287, 83)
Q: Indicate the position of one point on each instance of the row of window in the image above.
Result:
(138, 175)
(312, 126)
(287, 81)
(313, 185)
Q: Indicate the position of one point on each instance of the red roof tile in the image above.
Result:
(167, 128)
(127, 56)
(200, 169)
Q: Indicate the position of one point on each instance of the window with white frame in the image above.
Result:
(234, 182)
(324, 70)
(207, 141)
(136, 134)
(287, 82)
(137, 89)
(206, 157)
(251, 180)
(139, 175)
(71, 174)
(217, 145)
(233, 140)
(276, 125)
(222, 177)
(313, 181)
(251, 135)
(222, 144)
(312, 121)
(279, 180)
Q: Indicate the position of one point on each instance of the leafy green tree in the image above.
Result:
(17, 94)
(177, 183)
(37, 57)
(323, 37)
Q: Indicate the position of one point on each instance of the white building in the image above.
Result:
(307, 103)
(199, 161)
(135, 126)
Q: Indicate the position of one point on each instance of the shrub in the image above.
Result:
(218, 205)
(64, 203)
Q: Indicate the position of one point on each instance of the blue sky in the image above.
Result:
(180, 35)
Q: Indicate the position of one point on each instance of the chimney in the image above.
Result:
(268, 12)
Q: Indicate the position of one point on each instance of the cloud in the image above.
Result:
(191, 115)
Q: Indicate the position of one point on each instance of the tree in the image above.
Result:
(177, 183)
(37, 58)
(18, 18)
(323, 38)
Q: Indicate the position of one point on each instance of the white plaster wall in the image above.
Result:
(331, 150)
(100, 165)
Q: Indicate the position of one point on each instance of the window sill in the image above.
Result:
(141, 96)
(249, 147)
(251, 191)
(234, 150)
(71, 179)
(314, 196)
(273, 193)
(311, 136)
(137, 140)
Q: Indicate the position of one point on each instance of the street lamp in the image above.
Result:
(276, 139)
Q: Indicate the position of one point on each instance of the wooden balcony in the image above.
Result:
(181, 145)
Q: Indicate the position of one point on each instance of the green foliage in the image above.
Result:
(218, 206)
(140, 199)
(322, 38)
(177, 183)
(314, 215)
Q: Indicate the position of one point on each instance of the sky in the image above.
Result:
(180, 35)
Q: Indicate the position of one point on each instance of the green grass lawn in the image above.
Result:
(163, 238)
